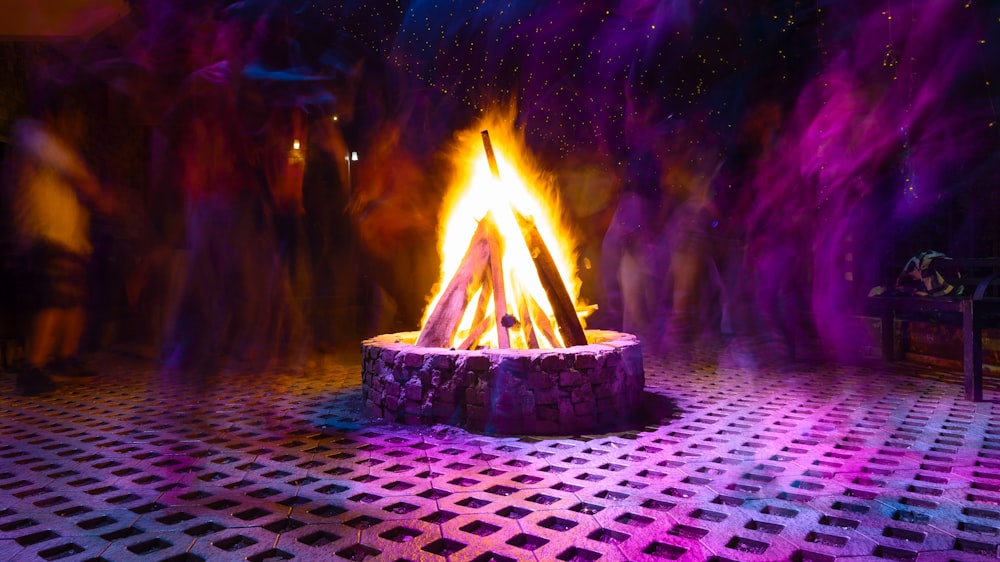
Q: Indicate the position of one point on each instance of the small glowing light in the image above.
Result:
(295, 144)
(335, 118)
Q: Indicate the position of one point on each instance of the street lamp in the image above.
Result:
(352, 157)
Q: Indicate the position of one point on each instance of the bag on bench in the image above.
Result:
(926, 275)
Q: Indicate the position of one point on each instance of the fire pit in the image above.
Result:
(502, 347)
(581, 389)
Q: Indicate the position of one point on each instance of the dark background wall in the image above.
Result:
(863, 133)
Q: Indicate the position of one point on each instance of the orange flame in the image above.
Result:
(474, 191)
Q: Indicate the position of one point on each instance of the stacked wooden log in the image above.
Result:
(481, 272)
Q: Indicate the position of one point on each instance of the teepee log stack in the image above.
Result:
(481, 270)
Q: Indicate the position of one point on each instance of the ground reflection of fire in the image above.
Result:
(499, 203)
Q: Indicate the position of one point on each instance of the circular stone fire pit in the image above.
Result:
(582, 389)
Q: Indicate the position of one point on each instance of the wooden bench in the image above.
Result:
(976, 308)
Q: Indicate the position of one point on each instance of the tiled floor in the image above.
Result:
(740, 461)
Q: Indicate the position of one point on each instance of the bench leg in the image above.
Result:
(972, 356)
(888, 336)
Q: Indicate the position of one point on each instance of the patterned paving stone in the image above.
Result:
(740, 458)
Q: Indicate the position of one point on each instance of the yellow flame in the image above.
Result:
(473, 192)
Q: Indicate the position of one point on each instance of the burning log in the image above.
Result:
(485, 297)
(491, 158)
(480, 268)
(541, 320)
(567, 320)
(443, 322)
(565, 312)
(478, 329)
(527, 326)
(563, 309)
(496, 278)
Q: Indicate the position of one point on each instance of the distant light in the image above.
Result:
(295, 144)
(334, 118)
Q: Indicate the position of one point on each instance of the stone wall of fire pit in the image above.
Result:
(582, 389)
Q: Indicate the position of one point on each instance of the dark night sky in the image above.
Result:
(577, 69)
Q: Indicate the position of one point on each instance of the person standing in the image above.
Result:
(54, 195)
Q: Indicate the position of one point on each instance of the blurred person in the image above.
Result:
(776, 275)
(632, 254)
(592, 204)
(222, 297)
(280, 97)
(281, 160)
(393, 208)
(733, 192)
(779, 260)
(692, 275)
(330, 236)
(55, 194)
